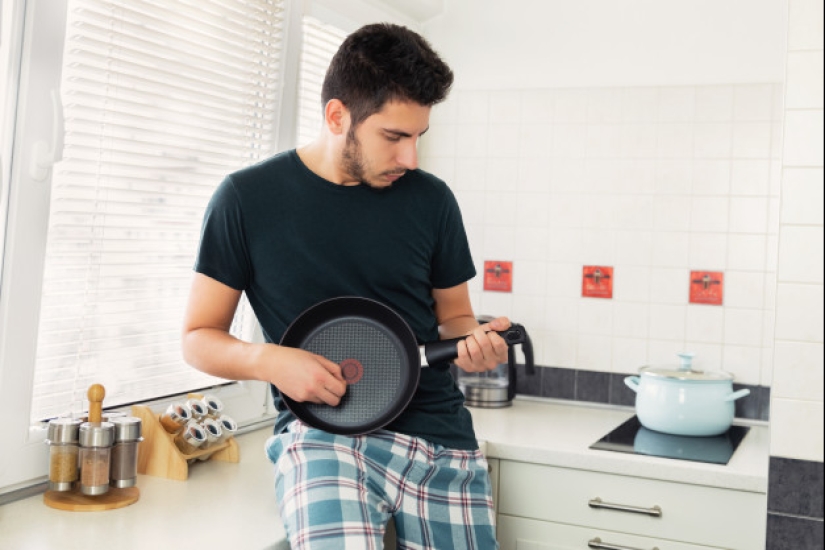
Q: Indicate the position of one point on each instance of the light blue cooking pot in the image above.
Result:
(683, 401)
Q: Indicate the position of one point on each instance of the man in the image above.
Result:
(352, 215)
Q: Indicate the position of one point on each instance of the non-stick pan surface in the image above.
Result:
(379, 359)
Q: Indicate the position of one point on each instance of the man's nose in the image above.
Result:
(408, 155)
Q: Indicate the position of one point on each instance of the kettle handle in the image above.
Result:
(512, 373)
(527, 350)
(529, 361)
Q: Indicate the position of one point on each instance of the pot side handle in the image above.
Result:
(737, 394)
(632, 382)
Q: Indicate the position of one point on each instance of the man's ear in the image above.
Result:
(336, 116)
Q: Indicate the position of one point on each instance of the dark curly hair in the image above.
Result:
(383, 62)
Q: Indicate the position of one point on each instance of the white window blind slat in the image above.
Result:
(161, 100)
(320, 42)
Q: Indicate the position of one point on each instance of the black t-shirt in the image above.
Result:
(290, 239)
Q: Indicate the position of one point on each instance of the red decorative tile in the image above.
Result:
(597, 281)
(498, 276)
(706, 287)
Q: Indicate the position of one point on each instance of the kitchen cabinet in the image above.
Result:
(542, 507)
(527, 534)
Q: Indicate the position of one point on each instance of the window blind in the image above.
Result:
(320, 42)
(161, 99)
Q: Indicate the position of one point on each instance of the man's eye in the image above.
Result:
(393, 138)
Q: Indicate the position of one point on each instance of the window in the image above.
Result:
(160, 101)
(154, 101)
(144, 105)
(321, 41)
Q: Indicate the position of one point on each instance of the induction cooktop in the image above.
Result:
(632, 437)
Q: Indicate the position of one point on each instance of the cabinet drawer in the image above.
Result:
(690, 513)
(528, 534)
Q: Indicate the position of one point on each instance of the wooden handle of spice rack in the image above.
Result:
(95, 394)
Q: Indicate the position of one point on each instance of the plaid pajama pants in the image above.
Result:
(338, 492)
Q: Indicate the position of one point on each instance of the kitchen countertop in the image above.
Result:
(233, 505)
(560, 433)
(221, 505)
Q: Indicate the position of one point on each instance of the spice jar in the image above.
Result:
(123, 464)
(96, 440)
(228, 427)
(198, 407)
(175, 417)
(191, 438)
(110, 416)
(63, 452)
(214, 406)
(213, 431)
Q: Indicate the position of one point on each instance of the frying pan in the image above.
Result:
(379, 358)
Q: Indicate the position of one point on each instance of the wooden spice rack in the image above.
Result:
(75, 500)
(159, 456)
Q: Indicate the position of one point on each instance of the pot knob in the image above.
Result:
(686, 360)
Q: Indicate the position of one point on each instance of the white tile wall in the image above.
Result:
(797, 395)
(654, 181)
(796, 429)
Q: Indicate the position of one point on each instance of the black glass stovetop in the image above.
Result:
(632, 437)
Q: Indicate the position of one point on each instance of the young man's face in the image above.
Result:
(385, 145)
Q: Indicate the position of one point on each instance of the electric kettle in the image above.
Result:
(496, 388)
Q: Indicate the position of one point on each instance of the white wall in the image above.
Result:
(639, 147)
(797, 396)
(548, 43)
(653, 181)
(509, 127)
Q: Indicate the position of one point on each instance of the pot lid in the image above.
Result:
(684, 371)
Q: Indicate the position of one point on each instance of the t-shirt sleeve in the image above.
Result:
(223, 254)
(452, 261)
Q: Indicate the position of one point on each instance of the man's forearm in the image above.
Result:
(218, 353)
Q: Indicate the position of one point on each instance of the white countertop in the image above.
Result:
(560, 433)
(221, 505)
(226, 505)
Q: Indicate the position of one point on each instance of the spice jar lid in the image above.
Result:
(214, 404)
(63, 430)
(127, 428)
(227, 423)
(97, 434)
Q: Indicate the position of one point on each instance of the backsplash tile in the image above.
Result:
(653, 181)
(792, 533)
(620, 394)
(795, 504)
(795, 487)
(609, 388)
(592, 386)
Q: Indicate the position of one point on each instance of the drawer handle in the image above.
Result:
(597, 543)
(655, 512)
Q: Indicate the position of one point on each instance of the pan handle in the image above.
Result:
(447, 350)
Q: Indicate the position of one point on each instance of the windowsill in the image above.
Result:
(221, 505)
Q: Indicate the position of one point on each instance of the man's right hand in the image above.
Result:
(208, 346)
(307, 377)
